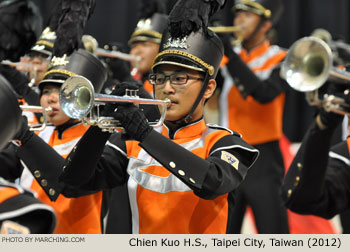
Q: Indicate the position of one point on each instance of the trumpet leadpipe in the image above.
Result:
(16, 64)
(37, 109)
(115, 54)
(225, 29)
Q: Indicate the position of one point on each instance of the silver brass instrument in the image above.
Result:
(230, 29)
(91, 44)
(225, 29)
(37, 109)
(78, 100)
(307, 66)
(27, 68)
(16, 64)
(123, 56)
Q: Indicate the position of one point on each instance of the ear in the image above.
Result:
(210, 89)
(267, 26)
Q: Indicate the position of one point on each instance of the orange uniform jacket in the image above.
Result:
(19, 205)
(42, 167)
(180, 185)
(75, 215)
(257, 122)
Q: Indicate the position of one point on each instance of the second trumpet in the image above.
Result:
(78, 100)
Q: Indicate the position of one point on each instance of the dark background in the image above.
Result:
(115, 21)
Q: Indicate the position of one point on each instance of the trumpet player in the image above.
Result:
(38, 159)
(36, 65)
(318, 180)
(180, 176)
(252, 102)
(145, 40)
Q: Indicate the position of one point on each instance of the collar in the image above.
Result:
(255, 52)
(190, 130)
(70, 124)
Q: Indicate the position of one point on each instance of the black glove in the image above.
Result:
(17, 79)
(24, 134)
(133, 121)
(118, 69)
(119, 90)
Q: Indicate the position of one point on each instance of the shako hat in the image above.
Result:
(80, 62)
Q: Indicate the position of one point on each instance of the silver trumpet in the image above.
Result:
(123, 56)
(91, 44)
(307, 66)
(37, 109)
(230, 29)
(78, 100)
(27, 67)
(16, 64)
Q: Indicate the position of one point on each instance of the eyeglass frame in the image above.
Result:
(188, 77)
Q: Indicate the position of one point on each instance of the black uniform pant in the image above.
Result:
(261, 190)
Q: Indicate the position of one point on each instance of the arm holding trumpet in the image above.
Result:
(317, 181)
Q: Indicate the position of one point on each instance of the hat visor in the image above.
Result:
(50, 81)
(177, 64)
(143, 39)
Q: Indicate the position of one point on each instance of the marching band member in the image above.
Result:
(38, 160)
(317, 181)
(145, 40)
(183, 168)
(251, 103)
(22, 213)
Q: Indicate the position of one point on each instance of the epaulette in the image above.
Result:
(215, 126)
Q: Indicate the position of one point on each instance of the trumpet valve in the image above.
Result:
(131, 93)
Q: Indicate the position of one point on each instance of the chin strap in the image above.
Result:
(262, 20)
(187, 119)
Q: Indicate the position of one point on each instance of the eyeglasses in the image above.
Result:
(175, 78)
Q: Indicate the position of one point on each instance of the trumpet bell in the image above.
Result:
(77, 97)
(307, 65)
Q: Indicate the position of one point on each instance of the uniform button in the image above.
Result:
(172, 164)
(192, 180)
(289, 192)
(52, 192)
(37, 174)
(181, 172)
(299, 166)
(43, 182)
(240, 88)
(64, 167)
(297, 178)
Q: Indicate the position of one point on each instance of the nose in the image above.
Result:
(136, 50)
(168, 88)
(52, 97)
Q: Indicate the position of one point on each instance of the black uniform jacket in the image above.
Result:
(318, 180)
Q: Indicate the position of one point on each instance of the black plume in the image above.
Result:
(69, 20)
(148, 7)
(20, 27)
(190, 15)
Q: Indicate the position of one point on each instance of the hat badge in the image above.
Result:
(144, 24)
(59, 61)
(180, 43)
(48, 34)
